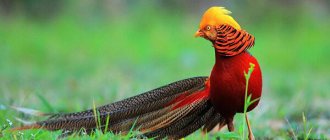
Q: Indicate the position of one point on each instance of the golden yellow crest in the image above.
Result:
(217, 16)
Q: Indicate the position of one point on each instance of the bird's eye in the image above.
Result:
(208, 28)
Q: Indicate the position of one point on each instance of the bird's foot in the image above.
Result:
(230, 124)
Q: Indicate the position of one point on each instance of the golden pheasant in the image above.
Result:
(180, 108)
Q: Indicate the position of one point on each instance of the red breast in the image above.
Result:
(227, 83)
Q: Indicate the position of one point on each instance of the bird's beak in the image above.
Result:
(199, 33)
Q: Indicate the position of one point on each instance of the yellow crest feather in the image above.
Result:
(215, 16)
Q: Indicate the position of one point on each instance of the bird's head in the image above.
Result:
(215, 16)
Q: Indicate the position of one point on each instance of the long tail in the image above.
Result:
(172, 111)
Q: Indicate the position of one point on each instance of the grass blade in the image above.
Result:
(45, 103)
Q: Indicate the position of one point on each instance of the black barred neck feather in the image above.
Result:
(231, 42)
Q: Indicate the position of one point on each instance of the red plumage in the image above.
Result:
(227, 91)
(199, 95)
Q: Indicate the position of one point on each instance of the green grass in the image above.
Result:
(68, 63)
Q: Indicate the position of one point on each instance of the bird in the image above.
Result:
(180, 108)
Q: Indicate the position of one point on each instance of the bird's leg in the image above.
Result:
(230, 124)
(251, 136)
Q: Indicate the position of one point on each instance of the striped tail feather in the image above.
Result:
(180, 124)
(153, 99)
(215, 121)
(30, 126)
(193, 126)
(174, 110)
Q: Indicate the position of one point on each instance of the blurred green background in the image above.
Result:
(60, 56)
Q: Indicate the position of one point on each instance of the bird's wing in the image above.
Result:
(174, 110)
(230, 42)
